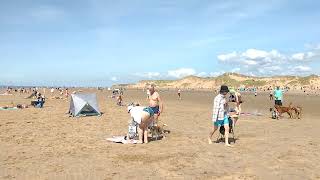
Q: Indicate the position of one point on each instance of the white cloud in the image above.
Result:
(303, 56)
(301, 69)
(253, 57)
(202, 74)
(153, 74)
(227, 57)
(255, 54)
(114, 79)
(215, 74)
(235, 69)
(182, 72)
(149, 75)
(272, 62)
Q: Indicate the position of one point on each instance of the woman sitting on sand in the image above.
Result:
(143, 116)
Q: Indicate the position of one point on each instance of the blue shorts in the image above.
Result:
(155, 109)
(149, 110)
(225, 121)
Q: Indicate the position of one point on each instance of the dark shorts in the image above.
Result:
(278, 102)
(155, 109)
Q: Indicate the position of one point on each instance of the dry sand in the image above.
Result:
(47, 144)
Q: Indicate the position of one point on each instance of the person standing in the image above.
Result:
(271, 95)
(220, 114)
(179, 94)
(236, 99)
(278, 96)
(155, 103)
(67, 93)
(148, 93)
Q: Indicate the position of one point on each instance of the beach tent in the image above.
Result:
(84, 105)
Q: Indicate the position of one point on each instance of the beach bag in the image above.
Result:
(132, 130)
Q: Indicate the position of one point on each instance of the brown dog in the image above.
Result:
(298, 111)
(283, 109)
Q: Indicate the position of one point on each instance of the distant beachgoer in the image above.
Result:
(67, 92)
(271, 95)
(179, 94)
(220, 114)
(119, 100)
(148, 93)
(255, 93)
(278, 96)
(143, 116)
(155, 102)
(52, 91)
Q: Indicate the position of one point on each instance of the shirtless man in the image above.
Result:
(155, 102)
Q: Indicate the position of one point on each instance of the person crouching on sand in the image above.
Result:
(220, 114)
(143, 116)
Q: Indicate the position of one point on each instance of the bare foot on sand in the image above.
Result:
(228, 145)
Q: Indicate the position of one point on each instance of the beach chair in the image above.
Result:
(231, 131)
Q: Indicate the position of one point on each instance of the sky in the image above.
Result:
(105, 42)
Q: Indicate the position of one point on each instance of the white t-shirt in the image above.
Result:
(136, 113)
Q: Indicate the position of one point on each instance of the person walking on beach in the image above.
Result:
(220, 114)
(179, 94)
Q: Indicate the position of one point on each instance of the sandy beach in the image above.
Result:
(47, 144)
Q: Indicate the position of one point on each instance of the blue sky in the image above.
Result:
(101, 42)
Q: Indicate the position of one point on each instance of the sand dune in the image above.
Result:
(235, 80)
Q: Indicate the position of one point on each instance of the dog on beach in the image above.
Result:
(283, 109)
(297, 111)
(292, 111)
